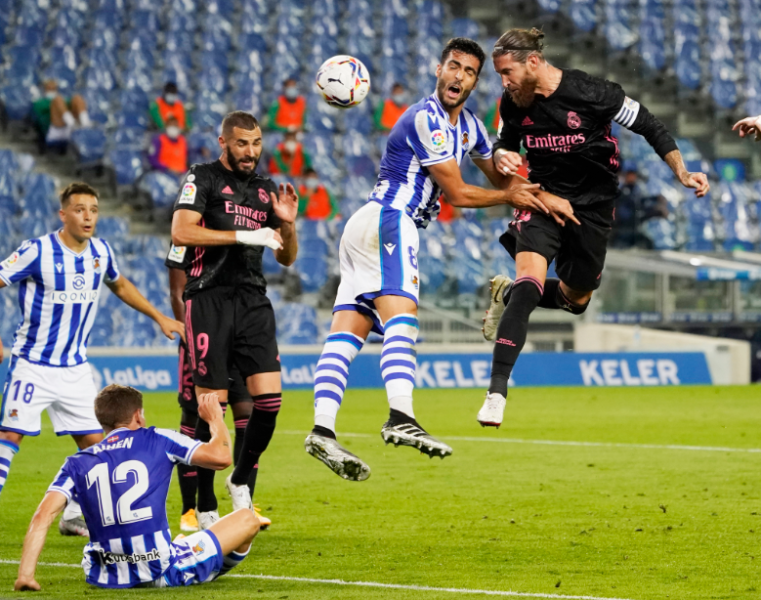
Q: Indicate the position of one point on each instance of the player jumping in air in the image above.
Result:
(60, 278)
(237, 397)
(378, 252)
(228, 213)
(122, 484)
(563, 119)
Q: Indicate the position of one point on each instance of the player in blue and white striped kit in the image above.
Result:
(378, 252)
(122, 484)
(60, 277)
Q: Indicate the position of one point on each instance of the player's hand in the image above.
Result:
(286, 203)
(265, 236)
(698, 181)
(749, 126)
(560, 209)
(26, 584)
(209, 408)
(169, 327)
(524, 197)
(507, 162)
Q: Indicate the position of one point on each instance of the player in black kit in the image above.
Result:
(563, 119)
(238, 398)
(227, 213)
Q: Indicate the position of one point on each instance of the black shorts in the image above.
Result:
(236, 390)
(578, 250)
(230, 327)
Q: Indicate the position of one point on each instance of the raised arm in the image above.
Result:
(217, 452)
(458, 193)
(50, 507)
(126, 291)
(286, 206)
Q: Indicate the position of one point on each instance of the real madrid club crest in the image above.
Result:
(574, 121)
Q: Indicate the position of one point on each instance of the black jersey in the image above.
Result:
(179, 257)
(567, 135)
(227, 202)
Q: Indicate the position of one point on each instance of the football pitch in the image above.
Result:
(636, 494)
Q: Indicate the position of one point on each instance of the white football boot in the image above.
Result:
(496, 307)
(337, 458)
(207, 519)
(75, 526)
(240, 494)
(492, 411)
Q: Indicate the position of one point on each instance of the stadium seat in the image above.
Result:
(160, 187)
(89, 144)
(313, 272)
(127, 165)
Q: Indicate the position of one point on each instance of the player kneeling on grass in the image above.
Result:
(122, 485)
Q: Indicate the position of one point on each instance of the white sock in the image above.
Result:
(72, 510)
(84, 119)
(69, 119)
(7, 452)
(399, 361)
(331, 376)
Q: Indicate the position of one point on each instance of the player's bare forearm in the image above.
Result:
(676, 163)
(177, 280)
(471, 196)
(187, 232)
(50, 507)
(287, 254)
(697, 181)
(217, 452)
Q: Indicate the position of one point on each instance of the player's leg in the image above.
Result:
(533, 240)
(209, 321)
(257, 358)
(17, 417)
(73, 413)
(9, 446)
(187, 475)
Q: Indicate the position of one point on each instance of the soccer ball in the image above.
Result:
(343, 81)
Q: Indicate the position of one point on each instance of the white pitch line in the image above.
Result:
(374, 584)
(566, 443)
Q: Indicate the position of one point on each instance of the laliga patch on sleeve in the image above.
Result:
(10, 261)
(188, 195)
(438, 141)
(177, 253)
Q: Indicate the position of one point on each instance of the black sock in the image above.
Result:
(323, 431)
(207, 500)
(240, 436)
(549, 298)
(512, 330)
(259, 431)
(187, 474)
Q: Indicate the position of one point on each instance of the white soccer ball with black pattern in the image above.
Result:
(343, 81)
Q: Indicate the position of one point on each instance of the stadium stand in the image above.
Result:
(226, 54)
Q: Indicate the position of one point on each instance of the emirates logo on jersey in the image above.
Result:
(574, 121)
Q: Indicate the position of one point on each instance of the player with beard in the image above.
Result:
(378, 252)
(227, 214)
(563, 119)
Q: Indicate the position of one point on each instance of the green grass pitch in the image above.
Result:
(631, 516)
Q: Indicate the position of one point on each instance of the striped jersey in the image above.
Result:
(58, 296)
(422, 137)
(122, 485)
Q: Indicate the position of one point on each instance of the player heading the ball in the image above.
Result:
(378, 253)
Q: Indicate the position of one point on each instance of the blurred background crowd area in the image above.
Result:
(128, 93)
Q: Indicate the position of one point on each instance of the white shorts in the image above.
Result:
(378, 257)
(58, 134)
(67, 393)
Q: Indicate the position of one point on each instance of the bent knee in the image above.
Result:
(248, 521)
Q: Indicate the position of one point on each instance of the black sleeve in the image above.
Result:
(177, 258)
(507, 138)
(195, 190)
(616, 106)
(273, 221)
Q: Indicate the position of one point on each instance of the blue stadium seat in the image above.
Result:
(584, 14)
(313, 272)
(161, 187)
(89, 144)
(112, 227)
(127, 164)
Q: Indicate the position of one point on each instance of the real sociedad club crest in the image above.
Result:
(574, 121)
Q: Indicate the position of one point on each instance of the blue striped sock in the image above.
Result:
(7, 452)
(399, 361)
(331, 375)
(232, 560)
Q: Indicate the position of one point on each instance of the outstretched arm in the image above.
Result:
(50, 507)
(126, 291)
(749, 126)
(286, 206)
(697, 181)
(186, 231)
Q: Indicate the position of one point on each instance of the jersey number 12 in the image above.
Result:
(98, 476)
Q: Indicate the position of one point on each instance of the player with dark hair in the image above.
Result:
(60, 277)
(563, 119)
(228, 213)
(237, 397)
(378, 253)
(122, 483)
